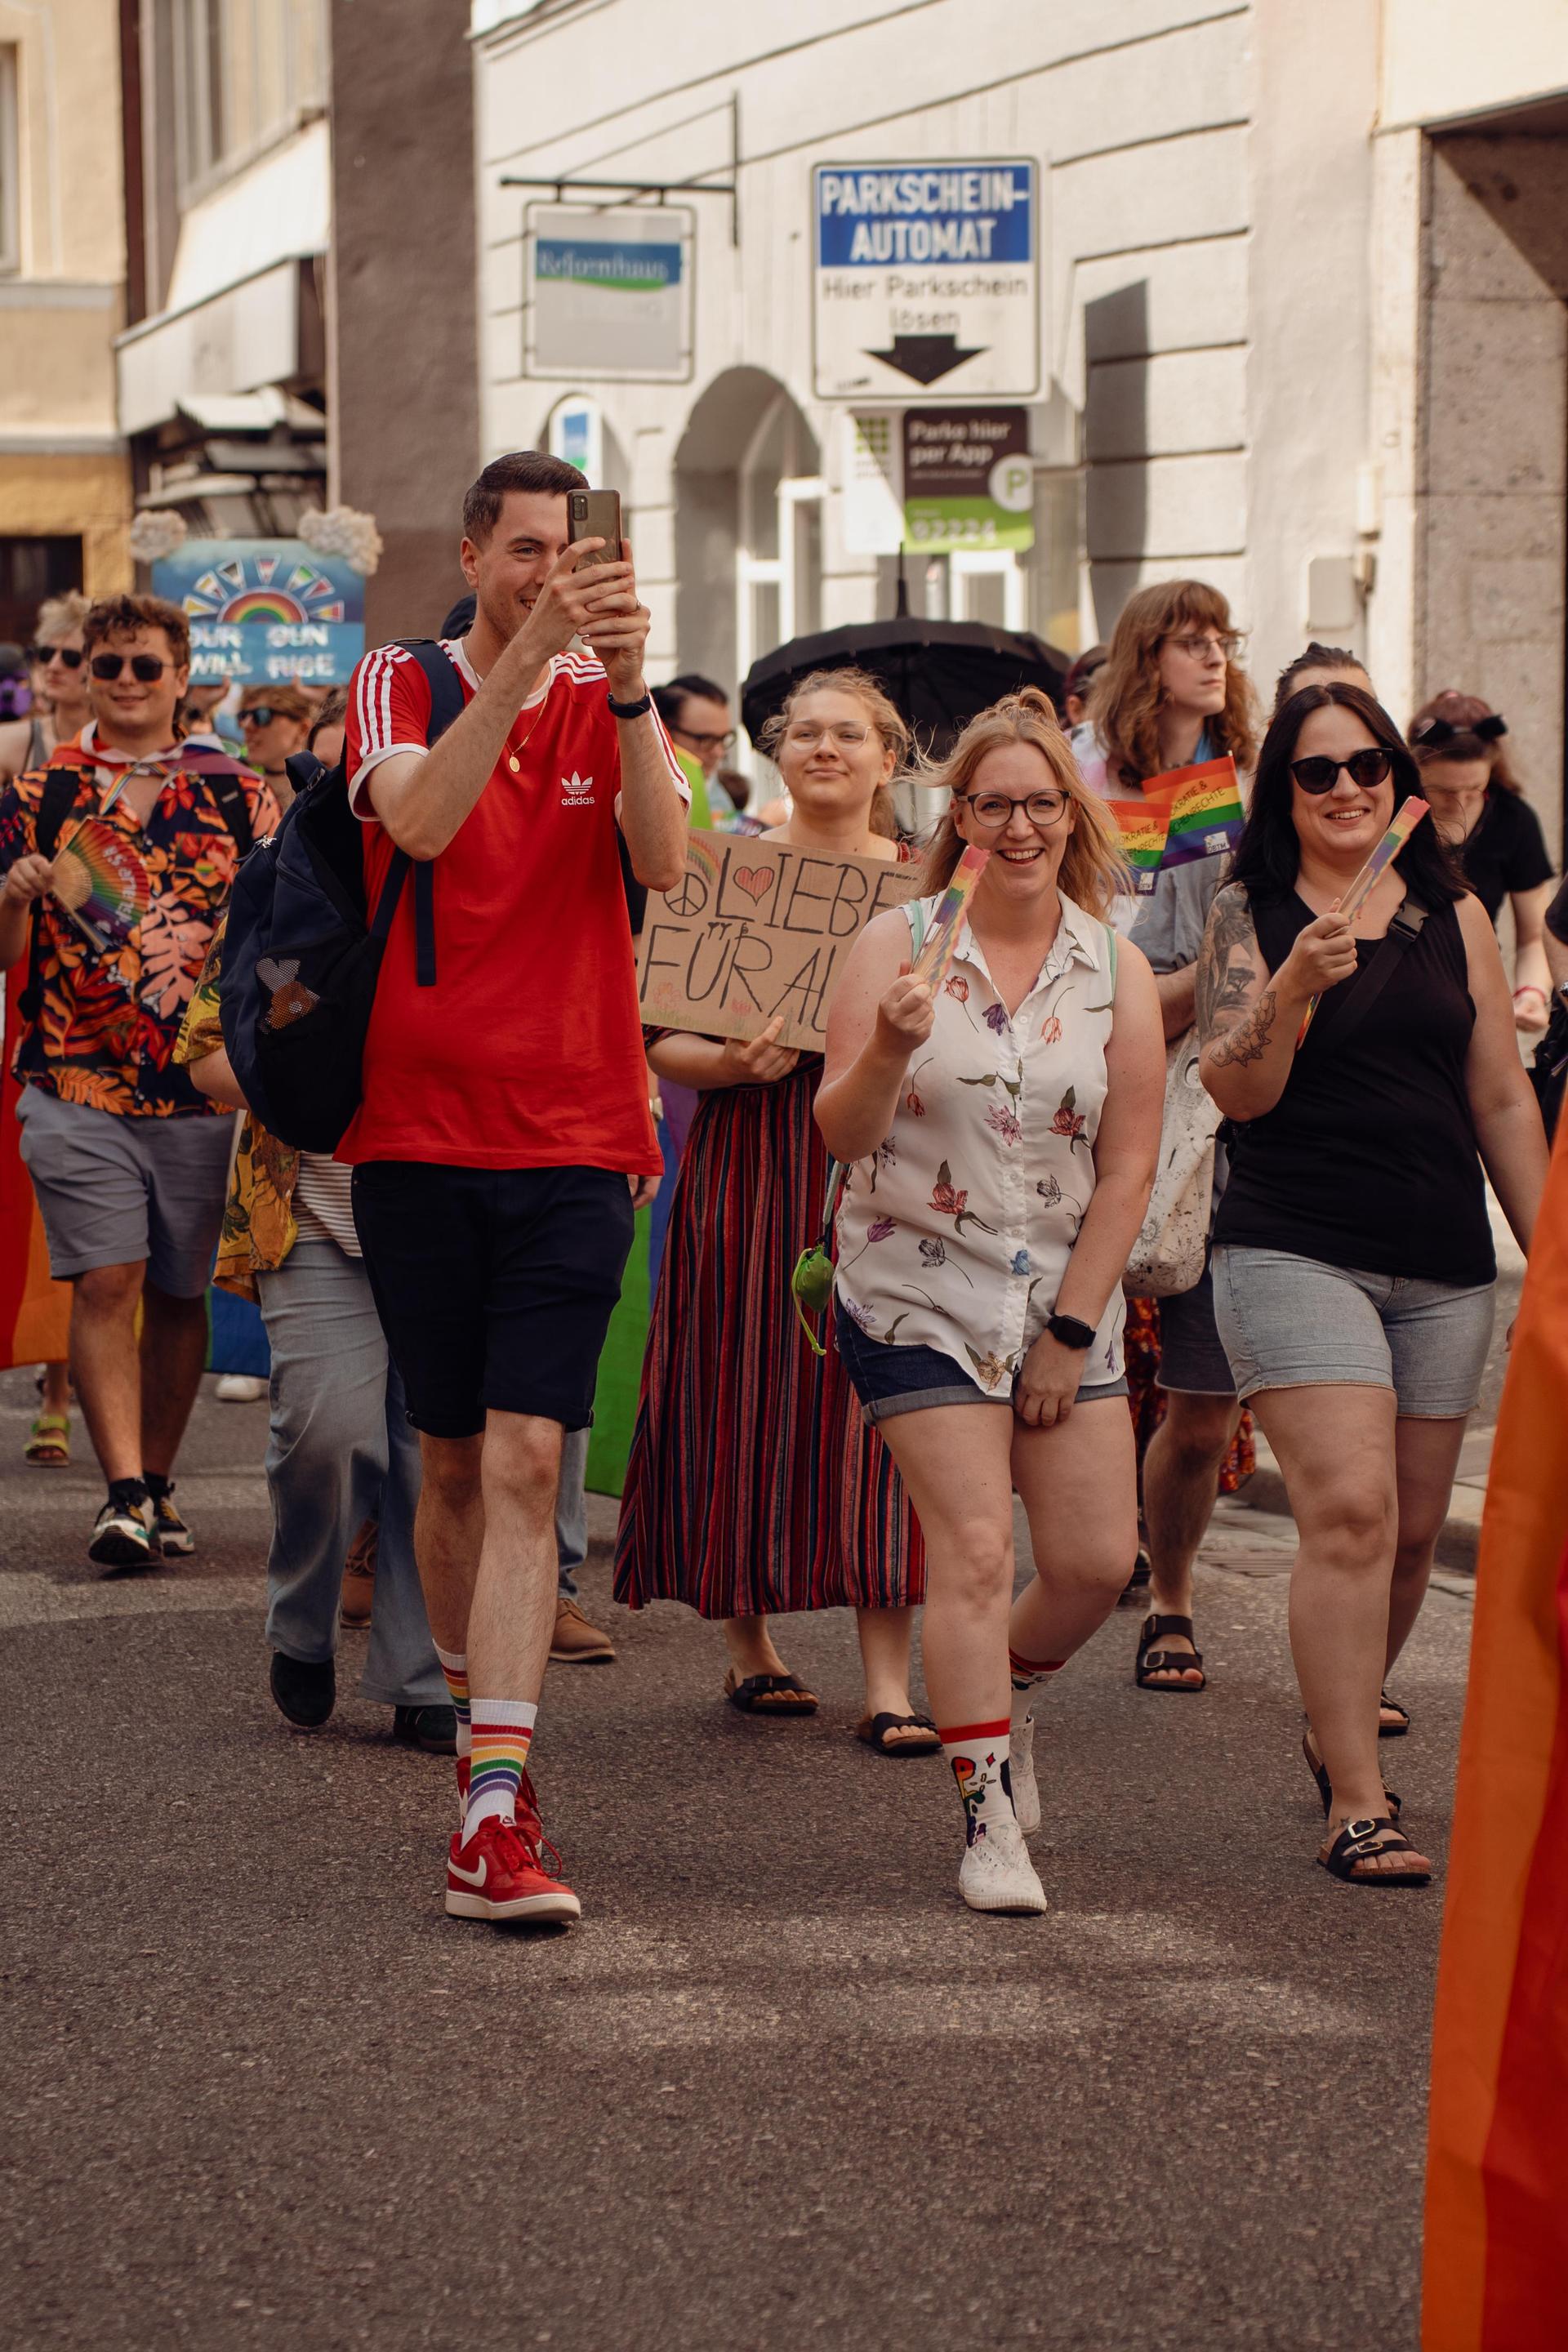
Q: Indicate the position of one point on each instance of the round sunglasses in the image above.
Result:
(144, 667)
(1318, 773)
(72, 656)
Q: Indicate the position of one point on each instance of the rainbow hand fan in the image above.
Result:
(941, 943)
(101, 882)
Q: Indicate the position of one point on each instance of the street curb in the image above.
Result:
(1456, 1545)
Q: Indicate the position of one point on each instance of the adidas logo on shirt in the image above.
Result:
(576, 792)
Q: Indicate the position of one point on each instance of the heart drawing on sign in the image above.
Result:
(756, 881)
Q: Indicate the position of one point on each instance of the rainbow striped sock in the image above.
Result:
(455, 1667)
(502, 1733)
(978, 1755)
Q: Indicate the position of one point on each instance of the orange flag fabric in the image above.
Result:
(35, 1313)
(1497, 2177)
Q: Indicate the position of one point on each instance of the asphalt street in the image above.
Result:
(779, 2086)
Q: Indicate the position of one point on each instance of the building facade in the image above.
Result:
(1294, 281)
(65, 485)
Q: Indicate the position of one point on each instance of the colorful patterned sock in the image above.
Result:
(455, 1667)
(502, 1733)
(1027, 1672)
(978, 1755)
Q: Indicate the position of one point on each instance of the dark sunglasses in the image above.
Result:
(1433, 731)
(261, 714)
(1321, 775)
(72, 656)
(144, 667)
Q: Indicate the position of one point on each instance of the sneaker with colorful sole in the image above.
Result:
(171, 1536)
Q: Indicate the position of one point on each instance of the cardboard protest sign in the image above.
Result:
(754, 929)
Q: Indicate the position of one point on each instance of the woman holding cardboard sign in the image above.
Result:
(1354, 1262)
(1003, 1133)
(752, 1489)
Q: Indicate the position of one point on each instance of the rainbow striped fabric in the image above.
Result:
(1143, 825)
(1497, 2159)
(1206, 814)
(501, 1733)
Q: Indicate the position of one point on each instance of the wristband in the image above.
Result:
(631, 709)
(1069, 1332)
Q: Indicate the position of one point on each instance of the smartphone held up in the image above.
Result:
(596, 514)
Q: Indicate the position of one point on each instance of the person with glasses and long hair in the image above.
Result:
(1170, 695)
(56, 671)
(1479, 809)
(1355, 1272)
(753, 1490)
(1000, 1132)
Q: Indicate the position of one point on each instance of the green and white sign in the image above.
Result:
(607, 294)
(968, 480)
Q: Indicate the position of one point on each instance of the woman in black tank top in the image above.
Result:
(1354, 1264)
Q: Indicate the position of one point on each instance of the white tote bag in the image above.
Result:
(1168, 1255)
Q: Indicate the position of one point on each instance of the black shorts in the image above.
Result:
(494, 1285)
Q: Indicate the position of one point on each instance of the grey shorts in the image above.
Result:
(1193, 1362)
(1292, 1322)
(114, 1191)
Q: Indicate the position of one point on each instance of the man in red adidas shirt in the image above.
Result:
(505, 1127)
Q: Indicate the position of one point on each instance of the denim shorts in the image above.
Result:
(891, 1380)
(1292, 1322)
(117, 1190)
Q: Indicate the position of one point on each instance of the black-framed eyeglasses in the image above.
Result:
(261, 714)
(1434, 732)
(1318, 773)
(72, 656)
(146, 667)
(992, 811)
(702, 742)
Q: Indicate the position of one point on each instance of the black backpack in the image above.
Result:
(303, 951)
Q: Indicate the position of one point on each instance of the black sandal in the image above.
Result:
(1358, 1842)
(1150, 1661)
(874, 1730)
(1319, 1771)
(769, 1695)
(1391, 1731)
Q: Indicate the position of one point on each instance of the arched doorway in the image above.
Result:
(748, 525)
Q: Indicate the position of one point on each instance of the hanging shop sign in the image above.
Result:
(607, 293)
(926, 275)
(968, 479)
(263, 609)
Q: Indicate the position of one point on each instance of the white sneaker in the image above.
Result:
(1021, 1764)
(996, 1874)
(240, 1388)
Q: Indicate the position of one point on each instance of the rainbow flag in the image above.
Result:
(941, 943)
(1497, 2167)
(35, 1312)
(1206, 814)
(1143, 825)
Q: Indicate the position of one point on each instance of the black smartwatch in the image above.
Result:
(631, 709)
(1069, 1331)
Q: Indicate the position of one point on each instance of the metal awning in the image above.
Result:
(262, 331)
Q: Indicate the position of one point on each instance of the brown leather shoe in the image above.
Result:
(576, 1643)
(359, 1579)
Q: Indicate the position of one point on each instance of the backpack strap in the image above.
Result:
(58, 797)
(234, 809)
(447, 702)
(1404, 929)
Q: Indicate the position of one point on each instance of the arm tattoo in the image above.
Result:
(1227, 966)
(1247, 1041)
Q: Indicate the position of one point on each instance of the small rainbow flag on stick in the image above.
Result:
(1407, 818)
(1207, 815)
(1143, 825)
(941, 943)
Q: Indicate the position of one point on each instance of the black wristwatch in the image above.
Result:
(1069, 1331)
(631, 709)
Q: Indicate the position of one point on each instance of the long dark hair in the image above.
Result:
(1268, 855)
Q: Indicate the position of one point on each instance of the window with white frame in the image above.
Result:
(10, 162)
(778, 563)
(248, 72)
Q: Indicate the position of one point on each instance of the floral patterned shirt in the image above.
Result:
(258, 1223)
(109, 1015)
(956, 1233)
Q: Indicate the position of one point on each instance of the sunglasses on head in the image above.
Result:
(144, 667)
(1434, 732)
(72, 656)
(1318, 773)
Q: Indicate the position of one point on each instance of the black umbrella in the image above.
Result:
(938, 673)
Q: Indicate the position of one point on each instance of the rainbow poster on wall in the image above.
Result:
(264, 610)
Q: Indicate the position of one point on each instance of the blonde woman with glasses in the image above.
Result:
(1003, 1133)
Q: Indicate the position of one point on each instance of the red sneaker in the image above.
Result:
(500, 1873)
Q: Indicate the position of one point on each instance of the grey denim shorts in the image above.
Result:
(1292, 1322)
(119, 1192)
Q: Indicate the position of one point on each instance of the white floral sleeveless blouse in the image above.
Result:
(956, 1233)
